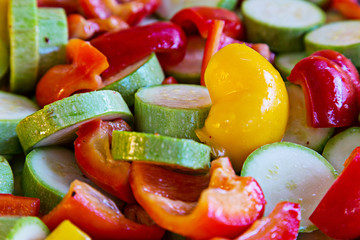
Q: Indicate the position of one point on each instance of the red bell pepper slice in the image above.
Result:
(83, 73)
(338, 213)
(129, 46)
(187, 205)
(132, 11)
(93, 156)
(330, 96)
(200, 19)
(82, 28)
(11, 205)
(70, 6)
(348, 8)
(98, 216)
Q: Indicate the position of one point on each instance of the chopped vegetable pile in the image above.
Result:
(166, 119)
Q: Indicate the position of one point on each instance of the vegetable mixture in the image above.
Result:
(165, 119)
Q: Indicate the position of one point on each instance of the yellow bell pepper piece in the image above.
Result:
(67, 230)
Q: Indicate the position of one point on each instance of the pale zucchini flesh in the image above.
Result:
(22, 228)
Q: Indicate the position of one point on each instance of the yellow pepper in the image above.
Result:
(250, 103)
(67, 230)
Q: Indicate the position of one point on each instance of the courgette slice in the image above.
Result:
(281, 24)
(162, 150)
(285, 62)
(57, 122)
(291, 172)
(22, 228)
(6, 177)
(175, 110)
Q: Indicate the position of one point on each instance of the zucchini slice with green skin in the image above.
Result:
(24, 45)
(297, 130)
(285, 62)
(162, 150)
(53, 37)
(48, 173)
(291, 172)
(168, 8)
(147, 72)
(6, 177)
(281, 24)
(22, 228)
(340, 36)
(189, 69)
(13, 109)
(174, 110)
(339, 147)
(57, 122)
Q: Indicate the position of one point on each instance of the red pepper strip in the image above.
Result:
(180, 203)
(83, 73)
(11, 205)
(169, 80)
(348, 8)
(98, 216)
(338, 213)
(130, 11)
(199, 19)
(84, 29)
(93, 156)
(70, 6)
(329, 94)
(346, 65)
(129, 46)
(212, 45)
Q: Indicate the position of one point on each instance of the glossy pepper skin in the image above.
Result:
(338, 213)
(98, 216)
(225, 207)
(127, 47)
(348, 8)
(82, 74)
(330, 96)
(11, 205)
(249, 103)
(93, 156)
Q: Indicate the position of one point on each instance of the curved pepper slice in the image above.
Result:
(132, 11)
(338, 213)
(179, 202)
(98, 216)
(330, 96)
(348, 8)
(93, 156)
(129, 46)
(83, 74)
(11, 205)
(200, 19)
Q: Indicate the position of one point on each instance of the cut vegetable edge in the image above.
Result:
(288, 173)
(48, 173)
(339, 147)
(297, 130)
(144, 73)
(23, 228)
(24, 46)
(57, 123)
(174, 110)
(179, 153)
(6, 177)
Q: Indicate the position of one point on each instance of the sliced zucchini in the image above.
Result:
(168, 8)
(339, 36)
(24, 46)
(57, 123)
(291, 172)
(297, 130)
(22, 228)
(6, 177)
(53, 37)
(147, 72)
(48, 173)
(13, 109)
(339, 147)
(281, 24)
(285, 62)
(163, 150)
(4, 39)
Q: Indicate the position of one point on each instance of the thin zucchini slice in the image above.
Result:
(6, 177)
(22, 228)
(285, 62)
